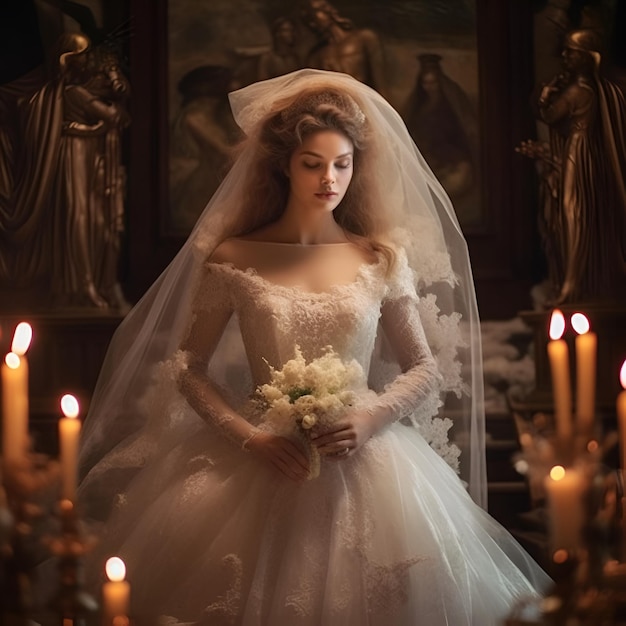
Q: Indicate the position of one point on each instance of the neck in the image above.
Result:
(320, 228)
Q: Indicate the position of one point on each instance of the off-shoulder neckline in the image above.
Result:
(364, 270)
(294, 243)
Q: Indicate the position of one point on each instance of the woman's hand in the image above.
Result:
(280, 453)
(347, 435)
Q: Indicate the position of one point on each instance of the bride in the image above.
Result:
(330, 254)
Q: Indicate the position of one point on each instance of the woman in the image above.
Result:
(224, 513)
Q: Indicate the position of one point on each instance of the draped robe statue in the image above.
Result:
(584, 169)
(60, 223)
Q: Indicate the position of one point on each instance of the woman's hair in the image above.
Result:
(282, 131)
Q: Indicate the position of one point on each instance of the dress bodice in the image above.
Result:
(274, 318)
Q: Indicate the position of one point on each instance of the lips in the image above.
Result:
(326, 194)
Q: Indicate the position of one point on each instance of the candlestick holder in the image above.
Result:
(72, 602)
(589, 573)
(25, 491)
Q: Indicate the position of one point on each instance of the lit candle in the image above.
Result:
(14, 407)
(621, 415)
(558, 354)
(69, 433)
(565, 490)
(14, 375)
(586, 347)
(115, 592)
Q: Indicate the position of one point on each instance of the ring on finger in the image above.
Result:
(343, 452)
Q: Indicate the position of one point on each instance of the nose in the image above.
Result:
(328, 178)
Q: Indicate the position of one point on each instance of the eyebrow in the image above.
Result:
(319, 156)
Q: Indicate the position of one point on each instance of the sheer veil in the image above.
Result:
(133, 412)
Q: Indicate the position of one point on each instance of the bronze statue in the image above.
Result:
(282, 58)
(64, 218)
(584, 169)
(342, 47)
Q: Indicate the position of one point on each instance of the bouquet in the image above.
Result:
(302, 395)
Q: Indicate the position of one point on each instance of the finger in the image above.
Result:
(329, 430)
(288, 470)
(336, 447)
(296, 455)
(329, 438)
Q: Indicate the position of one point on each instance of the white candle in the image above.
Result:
(621, 415)
(565, 491)
(14, 407)
(586, 349)
(69, 434)
(14, 377)
(115, 592)
(558, 353)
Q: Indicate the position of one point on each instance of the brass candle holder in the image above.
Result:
(589, 575)
(25, 500)
(72, 602)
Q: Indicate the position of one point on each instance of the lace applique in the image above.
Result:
(198, 480)
(387, 585)
(229, 605)
(120, 501)
(195, 485)
(356, 525)
(435, 432)
(302, 601)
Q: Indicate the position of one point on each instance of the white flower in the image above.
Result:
(301, 395)
(308, 421)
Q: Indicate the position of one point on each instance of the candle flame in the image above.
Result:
(115, 569)
(22, 338)
(622, 375)
(69, 405)
(560, 556)
(557, 324)
(580, 323)
(557, 472)
(12, 360)
(592, 446)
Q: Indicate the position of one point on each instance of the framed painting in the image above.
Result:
(422, 55)
(464, 65)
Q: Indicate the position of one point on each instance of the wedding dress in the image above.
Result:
(388, 535)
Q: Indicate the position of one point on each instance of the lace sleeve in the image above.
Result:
(416, 388)
(212, 308)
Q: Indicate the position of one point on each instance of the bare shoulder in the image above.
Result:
(226, 252)
(235, 252)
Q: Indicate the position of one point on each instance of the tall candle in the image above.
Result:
(69, 433)
(115, 592)
(14, 407)
(565, 490)
(586, 349)
(558, 353)
(15, 395)
(621, 415)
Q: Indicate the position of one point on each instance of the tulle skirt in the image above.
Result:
(387, 536)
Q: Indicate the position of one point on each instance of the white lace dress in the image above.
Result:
(387, 536)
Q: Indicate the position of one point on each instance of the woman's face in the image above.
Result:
(320, 170)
